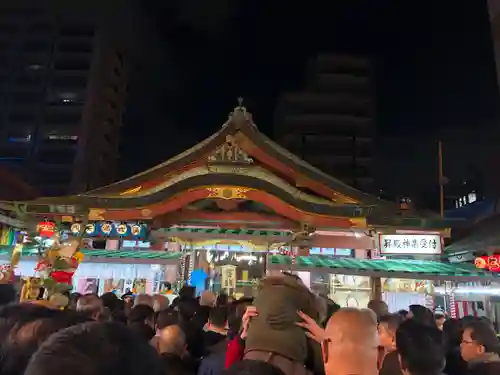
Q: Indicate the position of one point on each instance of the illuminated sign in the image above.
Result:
(491, 262)
(410, 244)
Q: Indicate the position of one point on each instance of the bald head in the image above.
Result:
(351, 331)
(172, 340)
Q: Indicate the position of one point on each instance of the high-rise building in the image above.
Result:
(331, 123)
(63, 82)
(494, 12)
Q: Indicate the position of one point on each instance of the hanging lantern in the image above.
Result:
(46, 228)
(136, 230)
(106, 228)
(89, 228)
(75, 228)
(121, 229)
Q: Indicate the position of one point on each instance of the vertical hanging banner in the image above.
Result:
(228, 277)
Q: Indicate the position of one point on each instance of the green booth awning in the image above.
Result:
(393, 268)
(112, 256)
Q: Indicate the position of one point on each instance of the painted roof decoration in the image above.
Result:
(410, 269)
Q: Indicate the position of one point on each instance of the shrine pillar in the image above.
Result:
(376, 288)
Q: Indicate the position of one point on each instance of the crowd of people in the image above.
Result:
(285, 330)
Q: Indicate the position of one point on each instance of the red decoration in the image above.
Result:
(46, 228)
(489, 262)
(62, 277)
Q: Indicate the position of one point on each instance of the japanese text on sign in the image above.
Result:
(418, 244)
(228, 277)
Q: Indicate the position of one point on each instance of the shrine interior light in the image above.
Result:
(484, 290)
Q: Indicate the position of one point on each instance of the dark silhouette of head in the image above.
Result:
(97, 348)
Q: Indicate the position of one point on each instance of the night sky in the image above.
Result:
(434, 63)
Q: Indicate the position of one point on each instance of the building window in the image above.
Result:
(61, 156)
(57, 97)
(55, 137)
(19, 137)
(36, 46)
(74, 47)
(77, 31)
(80, 64)
(69, 82)
(472, 197)
(71, 118)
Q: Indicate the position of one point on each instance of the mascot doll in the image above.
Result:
(58, 265)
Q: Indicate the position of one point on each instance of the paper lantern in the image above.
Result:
(46, 228)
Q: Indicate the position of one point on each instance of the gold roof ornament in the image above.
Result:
(240, 116)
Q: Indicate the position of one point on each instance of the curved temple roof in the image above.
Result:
(252, 155)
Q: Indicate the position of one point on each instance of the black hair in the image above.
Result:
(251, 367)
(7, 294)
(423, 315)
(218, 316)
(452, 333)
(235, 315)
(420, 347)
(167, 317)
(393, 321)
(222, 300)
(403, 313)
(23, 341)
(95, 349)
(19, 314)
(141, 314)
(187, 292)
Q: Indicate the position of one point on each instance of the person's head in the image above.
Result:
(7, 294)
(91, 305)
(24, 339)
(251, 367)
(142, 314)
(222, 300)
(110, 301)
(440, 317)
(403, 314)
(95, 349)
(380, 308)
(167, 318)
(351, 331)
(422, 315)
(387, 327)
(207, 299)
(144, 299)
(19, 314)
(172, 340)
(218, 317)
(160, 302)
(420, 348)
(452, 333)
(187, 292)
(478, 338)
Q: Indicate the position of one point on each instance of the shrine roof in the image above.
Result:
(404, 269)
(239, 121)
(112, 256)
